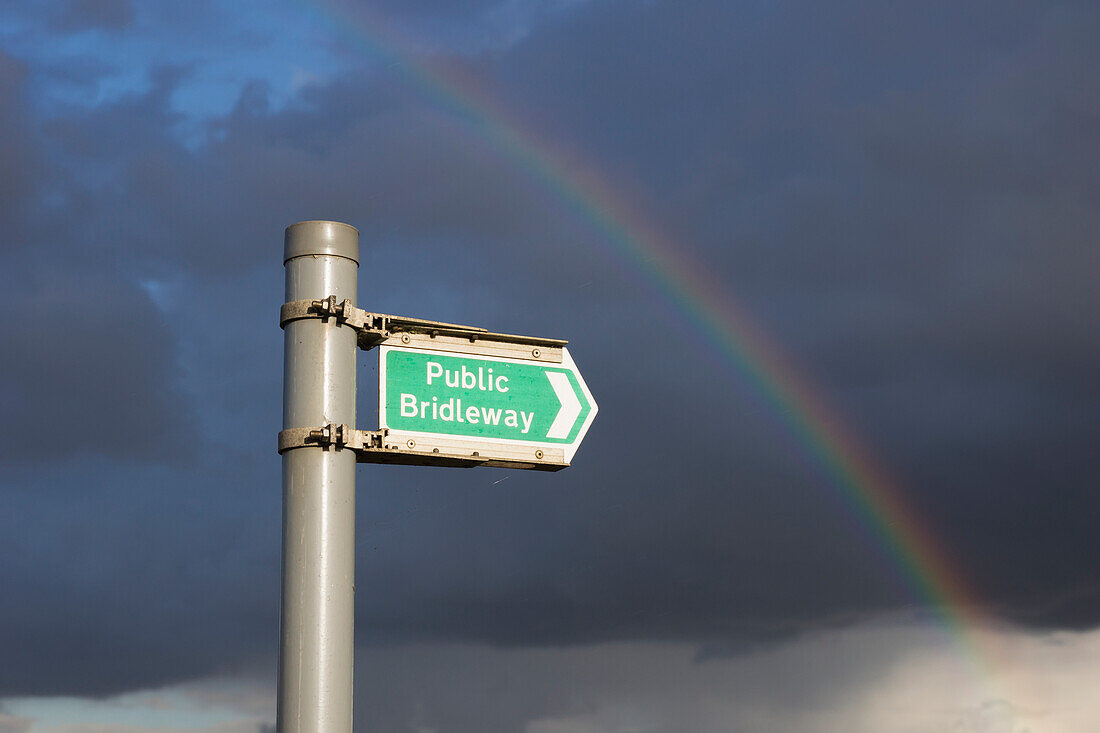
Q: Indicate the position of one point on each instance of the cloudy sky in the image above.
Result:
(829, 269)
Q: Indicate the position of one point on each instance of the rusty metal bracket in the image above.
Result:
(340, 310)
(372, 446)
(376, 329)
(334, 437)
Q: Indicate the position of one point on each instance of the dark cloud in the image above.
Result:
(440, 8)
(861, 677)
(468, 28)
(89, 361)
(80, 15)
(904, 197)
(18, 164)
(102, 561)
(88, 356)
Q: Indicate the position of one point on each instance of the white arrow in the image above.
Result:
(570, 405)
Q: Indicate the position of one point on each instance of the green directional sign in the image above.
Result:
(496, 405)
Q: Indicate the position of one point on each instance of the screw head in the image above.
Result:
(405, 338)
(411, 443)
(536, 353)
(538, 454)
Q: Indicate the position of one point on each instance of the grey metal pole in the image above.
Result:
(317, 622)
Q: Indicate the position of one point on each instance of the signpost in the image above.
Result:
(499, 407)
(317, 620)
(448, 395)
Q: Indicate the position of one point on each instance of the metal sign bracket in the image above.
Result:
(372, 446)
(376, 329)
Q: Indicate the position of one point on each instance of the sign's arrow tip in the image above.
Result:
(570, 406)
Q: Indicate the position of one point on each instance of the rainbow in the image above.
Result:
(867, 490)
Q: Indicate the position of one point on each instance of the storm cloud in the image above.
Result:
(905, 199)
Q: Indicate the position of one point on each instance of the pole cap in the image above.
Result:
(321, 238)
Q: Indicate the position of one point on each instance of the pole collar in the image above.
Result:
(321, 238)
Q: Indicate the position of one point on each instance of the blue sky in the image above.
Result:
(217, 48)
(93, 53)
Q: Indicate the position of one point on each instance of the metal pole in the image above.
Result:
(317, 622)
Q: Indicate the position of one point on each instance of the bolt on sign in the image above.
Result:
(487, 405)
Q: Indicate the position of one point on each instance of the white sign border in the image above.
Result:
(569, 449)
